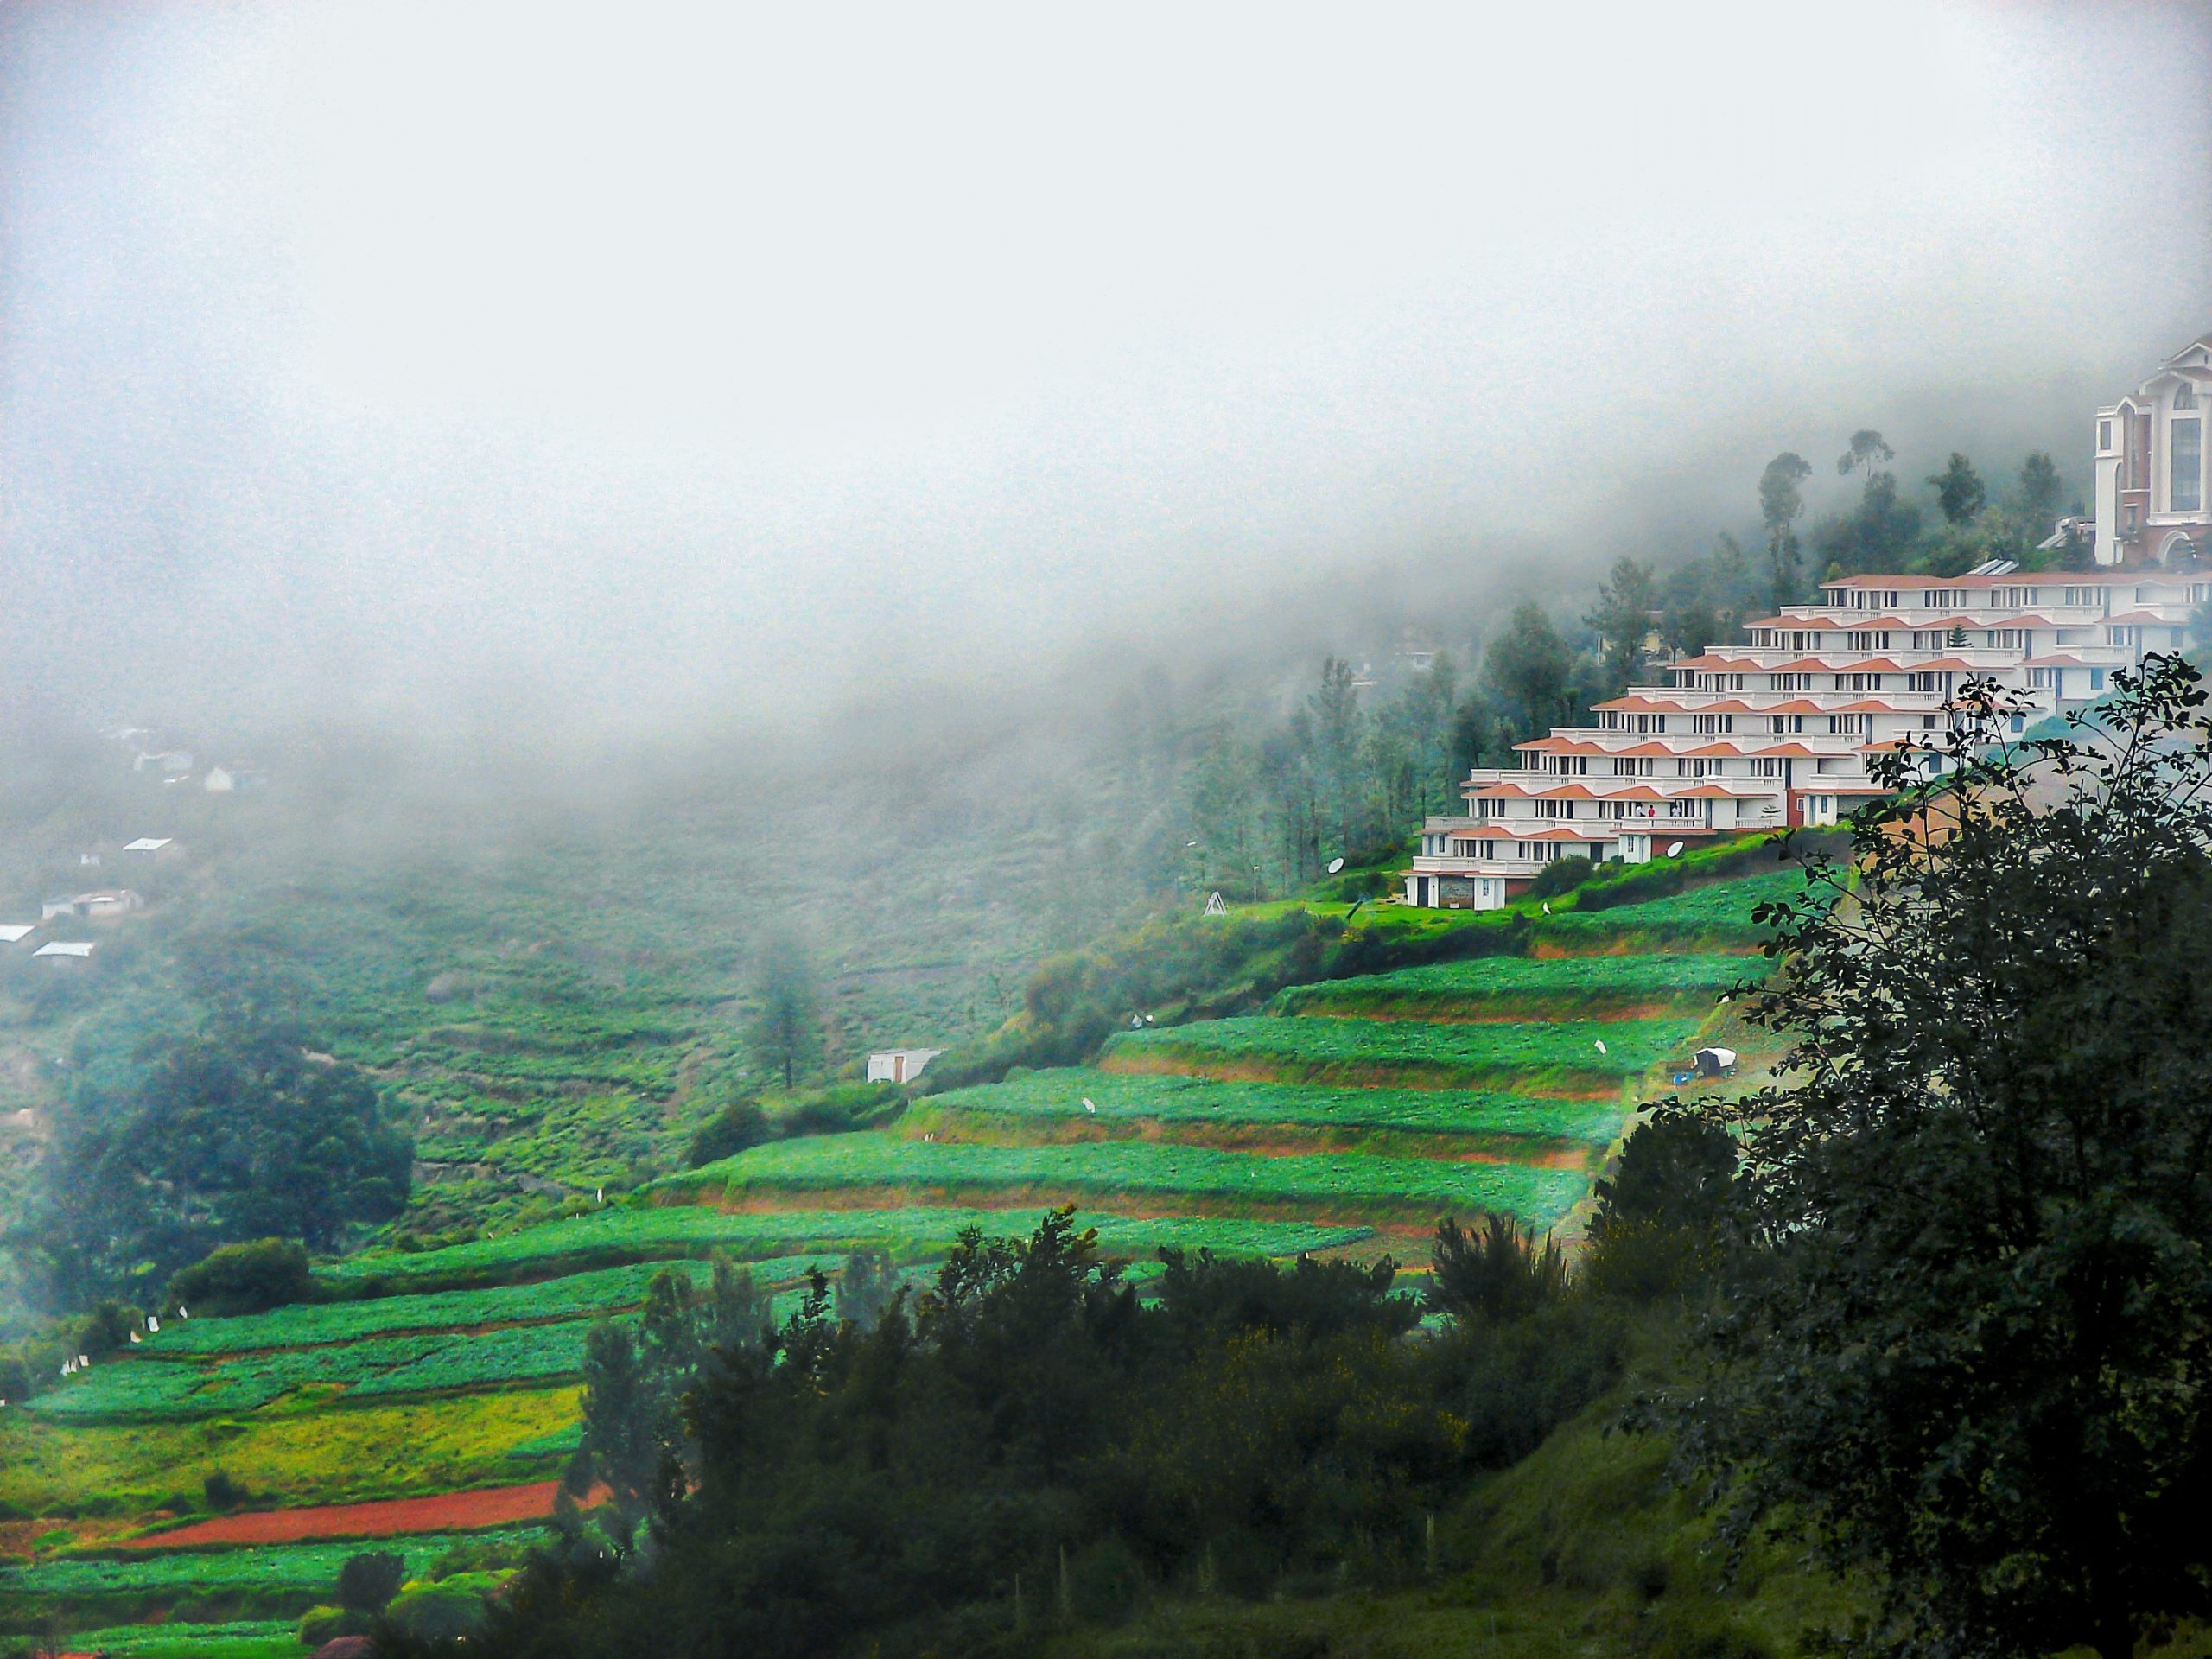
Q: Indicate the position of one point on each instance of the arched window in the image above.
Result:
(2185, 396)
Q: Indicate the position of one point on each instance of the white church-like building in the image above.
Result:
(1778, 733)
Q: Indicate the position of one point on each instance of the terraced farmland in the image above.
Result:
(1575, 1059)
(1344, 1120)
(1517, 986)
(1399, 1189)
(1085, 1103)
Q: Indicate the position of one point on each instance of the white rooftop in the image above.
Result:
(11, 933)
(148, 843)
(59, 949)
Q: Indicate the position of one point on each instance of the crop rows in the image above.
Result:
(1687, 982)
(653, 1232)
(303, 1567)
(242, 1639)
(1553, 1056)
(1126, 1097)
(1334, 1186)
(153, 1390)
(1719, 916)
(313, 1323)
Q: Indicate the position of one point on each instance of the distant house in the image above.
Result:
(172, 762)
(64, 952)
(159, 850)
(102, 904)
(16, 932)
(899, 1064)
(219, 781)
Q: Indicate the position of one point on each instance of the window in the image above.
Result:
(2043, 678)
(1871, 639)
(1793, 682)
(1709, 725)
(1782, 725)
(2096, 679)
(2104, 435)
(2185, 396)
(2185, 464)
(1631, 768)
(1762, 768)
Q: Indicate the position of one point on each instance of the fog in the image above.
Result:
(639, 368)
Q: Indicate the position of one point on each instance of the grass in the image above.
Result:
(304, 1568)
(1495, 987)
(654, 1232)
(1555, 1057)
(1319, 1186)
(1127, 1098)
(282, 1457)
(1719, 916)
(315, 1324)
(239, 1639)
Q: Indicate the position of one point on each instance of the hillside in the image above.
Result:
(1339, 1122)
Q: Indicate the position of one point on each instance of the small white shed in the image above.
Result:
(899, 1064)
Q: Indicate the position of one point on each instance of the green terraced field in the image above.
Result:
(155, 1390)
(313, 1324)
(654, 1231)
(1718, 916)
(242, 1639)
(1123, 1097)
(304, 1568)
(1330, 1184)
(1545, 1056)
(1686, 983)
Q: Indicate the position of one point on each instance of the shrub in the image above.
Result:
(321, 1625)
(249, 1278)
(1560, 875)
(1523, 1379)
(738, 1126)
(221, 1492)
(369, 1581)
(432, 1612)
(1105, 1583)
(1657, 1226)
(1502, 1271)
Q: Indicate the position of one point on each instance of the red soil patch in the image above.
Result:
(492, 1506)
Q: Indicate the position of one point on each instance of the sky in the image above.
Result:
(633, 365)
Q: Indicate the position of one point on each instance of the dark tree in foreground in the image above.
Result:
(1972, 1348)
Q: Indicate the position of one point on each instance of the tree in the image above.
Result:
(786, 1022)
(1500, 1270)
(1528, 667)
(1866, 448)
(1337, 723)
(2039, 493)
(1782, 503)
(1621, 619)
(867, 1289)
(228, 1134)
(1967, 1344)
(1959, 492)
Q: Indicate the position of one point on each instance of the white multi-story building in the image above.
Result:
(2154, 498)
(1778, 732)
